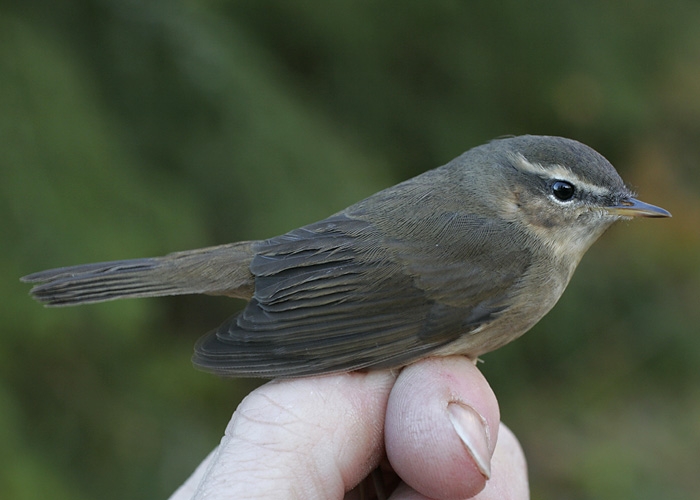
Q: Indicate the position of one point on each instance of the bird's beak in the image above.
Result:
(632, 207)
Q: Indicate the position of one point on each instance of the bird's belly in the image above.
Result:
(528, 308)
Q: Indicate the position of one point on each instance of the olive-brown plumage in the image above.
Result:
(459, 260)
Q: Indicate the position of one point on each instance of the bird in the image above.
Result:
(459, 260)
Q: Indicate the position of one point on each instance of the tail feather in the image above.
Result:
(220, 270)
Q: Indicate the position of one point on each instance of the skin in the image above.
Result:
(319, 437)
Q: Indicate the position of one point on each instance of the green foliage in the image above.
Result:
(130, 129)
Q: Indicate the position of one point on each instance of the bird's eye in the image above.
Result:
(563, 190)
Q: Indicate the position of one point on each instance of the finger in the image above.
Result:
(188, 489)
(509, 470)
(441, 427)
(405, 492)
(508, 474)
(304, 438)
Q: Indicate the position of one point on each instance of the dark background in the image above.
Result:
(132, 129)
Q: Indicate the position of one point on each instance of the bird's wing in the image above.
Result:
(342, 294)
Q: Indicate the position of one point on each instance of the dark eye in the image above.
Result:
(563, 190)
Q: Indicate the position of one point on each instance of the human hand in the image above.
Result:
(437, 422)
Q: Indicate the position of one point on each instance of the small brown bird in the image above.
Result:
(459, 260)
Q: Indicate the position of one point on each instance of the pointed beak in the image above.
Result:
(632, 207)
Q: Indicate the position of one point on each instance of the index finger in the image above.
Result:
(304, 438)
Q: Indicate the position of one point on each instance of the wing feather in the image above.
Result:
(345, 294)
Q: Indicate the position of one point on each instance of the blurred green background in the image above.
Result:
(132, 129)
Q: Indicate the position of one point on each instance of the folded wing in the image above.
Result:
(343, 294)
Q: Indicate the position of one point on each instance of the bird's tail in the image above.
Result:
(220, 270)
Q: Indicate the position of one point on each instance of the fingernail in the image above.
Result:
(473, 430)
